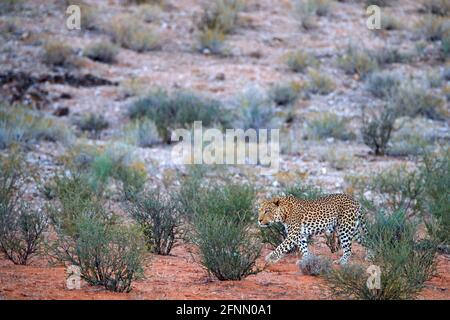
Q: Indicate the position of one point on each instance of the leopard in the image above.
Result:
(332, 214)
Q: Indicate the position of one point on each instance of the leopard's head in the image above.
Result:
(269, 212)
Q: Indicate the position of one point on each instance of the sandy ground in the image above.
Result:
(164, 280)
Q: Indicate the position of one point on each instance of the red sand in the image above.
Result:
(179, 277)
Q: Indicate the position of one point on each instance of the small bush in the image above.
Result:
(92, 122)
(405, 265)
(159, 220)
(437, 7)
(10, 6)
(142, 133)
(21, 227)
(319, 83)
(221, 229)
(212, 40)
(284, 94)
(133, 35)
(434, 28)
(397, 188)
(357, 61)
(329, 125)
(383, 84)
(179, 110)
(377, 129)
(312, 265)
(389, 22)
(413, 99)
(109, 255)
(76, 196)
(380, 3)
(20, 126)
(255, 110)
(435, 200)
(298, 61)
(220, 15)
(389, 55)
(308, 9)
(58, 54)
(103, 51)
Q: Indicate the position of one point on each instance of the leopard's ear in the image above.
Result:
(276, 201)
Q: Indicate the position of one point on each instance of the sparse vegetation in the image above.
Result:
(434, 28)
(284, 94)
(383, 84)
(405, 263)
(357, 61)
(93, 123)
(221, 230)
(56, 53)
(298, 61)
(109, 255)
(178, 110)
(103, 51)
(309, 10)
(133, 35)
(23, 127)
(255, 109)
(319, 83)
(378, 128)
(21, 227)
(159, 220)
(329, 125)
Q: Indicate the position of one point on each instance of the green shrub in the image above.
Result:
(308, 9)
(357, 61)
(284, 94)
(159, 220)
(434, 28)
(20, 126)
(413, 99)
(133, 35)
(383, 84)
(21, 227)
(329, 125)
(254, 109)
(319, 83)
(8, 6)
(103, 51)
(405, 264)
(435, 200)
(437, 7)
(58, 54)
(109, 255)
(397, 188)
(178, 110)
(92, 122)
(298, 61)
(312, 265)
(221, 230)
(378, 128)
(212, 40)
(389, 22)
(380, 3)
(75, 196)
(142, 133)
(220, 15)
(389, 55)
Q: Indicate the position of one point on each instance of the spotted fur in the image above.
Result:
(336, 213)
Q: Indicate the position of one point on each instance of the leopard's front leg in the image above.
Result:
(291, 240)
